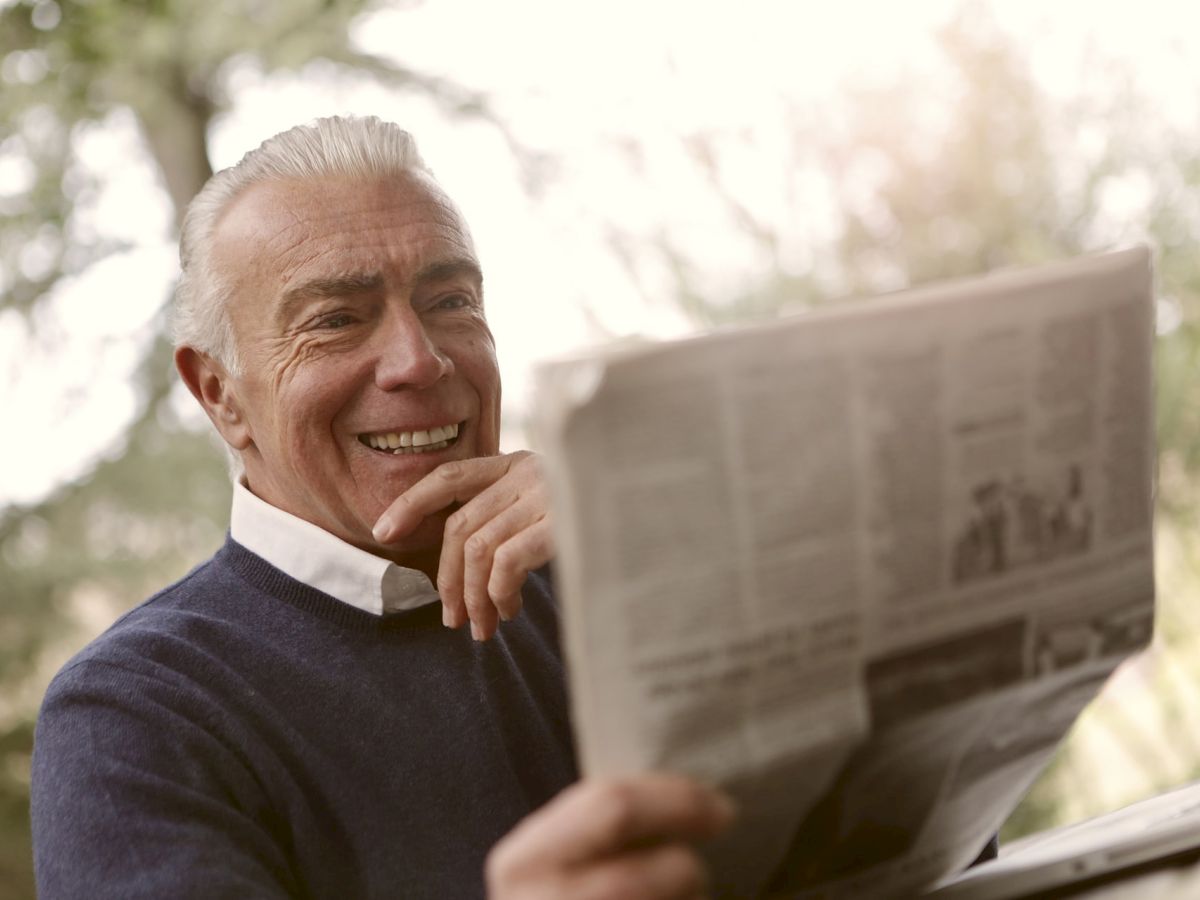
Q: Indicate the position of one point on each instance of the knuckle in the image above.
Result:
(505, 557)
(529, 464)
(451, 472)
(615, 811)
(507, 599)
(477, 549)
(501, 589)
(475, 606)
(459, 524)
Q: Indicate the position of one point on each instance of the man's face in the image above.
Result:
(357, 309)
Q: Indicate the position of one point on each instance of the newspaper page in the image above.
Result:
(1164, 829)
(861, 567)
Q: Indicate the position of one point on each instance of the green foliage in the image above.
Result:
(156, 503)
(68, 64)
(16, 855)
(994, 191)
(143, 516)
(973, 169)
(977, 188)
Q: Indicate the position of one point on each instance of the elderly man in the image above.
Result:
(304, 714)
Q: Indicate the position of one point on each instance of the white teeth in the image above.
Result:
(413, 441)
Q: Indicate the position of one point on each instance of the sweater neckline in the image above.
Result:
(265, 577)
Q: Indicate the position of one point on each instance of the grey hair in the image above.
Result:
(361, 147)
(364, 147)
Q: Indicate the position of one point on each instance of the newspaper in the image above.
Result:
(862, 567)
(1161, 832)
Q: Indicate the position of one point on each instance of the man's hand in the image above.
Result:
(499, 535)
(626, 840)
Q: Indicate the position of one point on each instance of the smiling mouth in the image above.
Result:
(399, 443)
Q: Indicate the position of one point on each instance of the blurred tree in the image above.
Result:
(971, 168)
(932, 177)
(1018, 179)
(157, 503)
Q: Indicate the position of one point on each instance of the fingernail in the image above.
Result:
(381, 530)
(476, 632)
(447, 619)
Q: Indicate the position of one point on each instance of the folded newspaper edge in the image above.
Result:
(1158, 829)
(862, 567)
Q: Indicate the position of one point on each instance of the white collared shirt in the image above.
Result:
(312, 555)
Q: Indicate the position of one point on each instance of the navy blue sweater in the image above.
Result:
(244, 735)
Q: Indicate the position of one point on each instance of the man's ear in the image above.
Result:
(213, 387)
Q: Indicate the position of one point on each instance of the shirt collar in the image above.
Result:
(312, 555)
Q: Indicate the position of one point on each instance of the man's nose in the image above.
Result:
(408, 355)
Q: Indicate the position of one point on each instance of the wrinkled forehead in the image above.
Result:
(279, 230)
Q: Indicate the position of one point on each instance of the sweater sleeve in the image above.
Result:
(135, 794)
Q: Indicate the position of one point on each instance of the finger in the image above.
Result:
(664, 872)
(524, 552)
(511, 564)
(494, 514)
(501, 542)
(453, 482)
(479, 551)
(595, 818)
(484, 623)
(461, 528)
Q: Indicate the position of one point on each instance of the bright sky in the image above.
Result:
(604, 91)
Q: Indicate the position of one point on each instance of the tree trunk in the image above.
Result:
(176, 130)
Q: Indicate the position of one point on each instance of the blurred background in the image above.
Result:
(632, 169)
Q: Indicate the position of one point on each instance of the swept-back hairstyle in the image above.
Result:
(364, 147)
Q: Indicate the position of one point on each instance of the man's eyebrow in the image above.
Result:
(336, 286)
(444, 270)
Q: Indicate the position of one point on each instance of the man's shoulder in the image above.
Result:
(149, 631)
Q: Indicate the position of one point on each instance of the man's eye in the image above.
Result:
(454, 301)
(334, 320)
